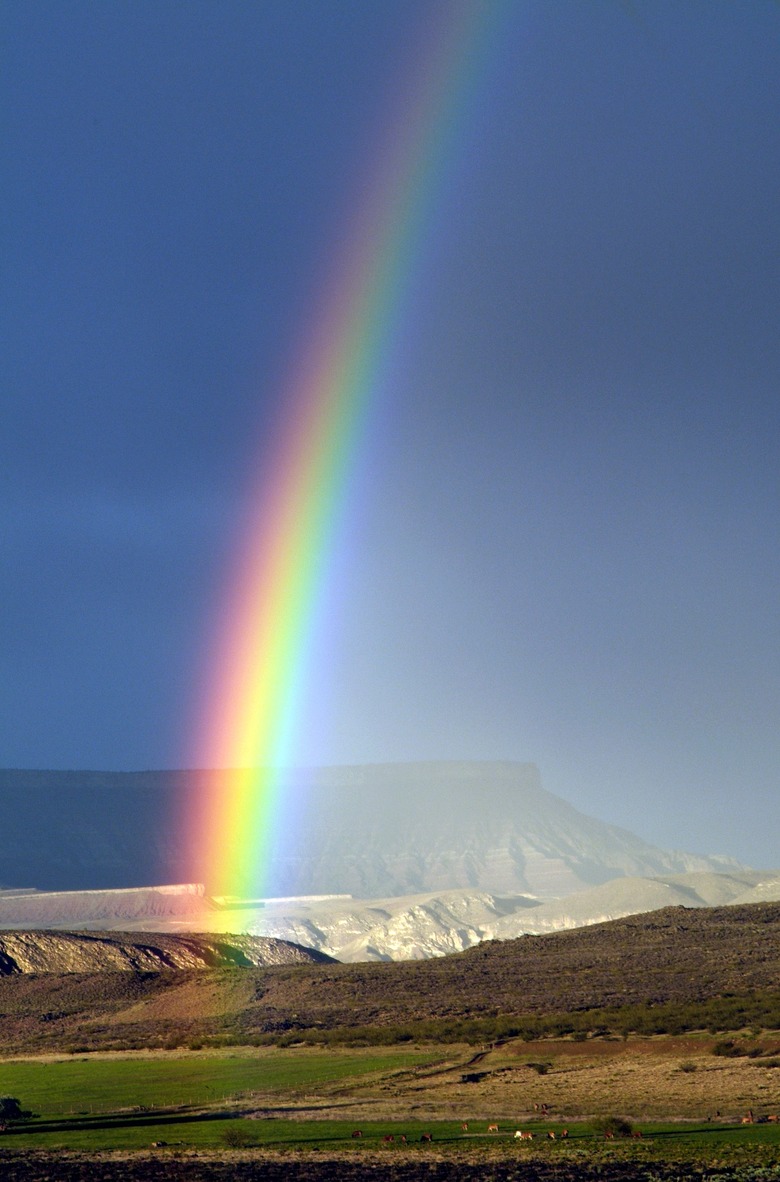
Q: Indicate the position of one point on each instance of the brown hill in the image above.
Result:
(81, 952)
(675, 955)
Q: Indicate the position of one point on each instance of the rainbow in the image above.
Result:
(257, 664)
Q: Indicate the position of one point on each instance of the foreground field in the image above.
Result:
(665, 1025)
(661, 1078)
(665, 1154)
(687, 1101)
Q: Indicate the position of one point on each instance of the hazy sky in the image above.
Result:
(563, 545)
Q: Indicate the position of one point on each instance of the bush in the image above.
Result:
(235, 1138)
(727, 1050)
(11, 1109)
(618, 1126)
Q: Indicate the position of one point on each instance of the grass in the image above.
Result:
(101, 1085)
(311, 1101)
(659, 1141)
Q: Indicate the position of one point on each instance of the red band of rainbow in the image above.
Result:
(247, 717)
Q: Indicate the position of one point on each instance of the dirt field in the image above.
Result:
(235, 1168)
(516, 1084)
(652, 1079)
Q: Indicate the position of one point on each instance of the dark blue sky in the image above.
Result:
(566, 547)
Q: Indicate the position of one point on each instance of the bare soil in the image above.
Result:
(655, 1079)
(244, 1167)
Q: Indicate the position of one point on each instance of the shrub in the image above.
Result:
(235, 1138)
(10, 1108)
(618, 1126)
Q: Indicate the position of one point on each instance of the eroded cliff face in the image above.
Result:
(83, 952)
(369, 831)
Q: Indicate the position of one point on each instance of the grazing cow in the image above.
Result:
(426, 1137)
(388, 1137)
(522, 1136)
(773, 1119)
(551, 1135)
(609, 1136)
(564, 1134)
(465, 1126)
(402, 1139)
(749, 1118)
(492, 1128)
(357, 1133)
(637, 1134)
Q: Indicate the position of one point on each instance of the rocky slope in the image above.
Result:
(102, 909)
(409, 927)
(421, 926)
(682, 956)
(77, 952)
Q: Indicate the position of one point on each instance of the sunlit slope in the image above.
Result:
(438, 923)
(677, 955)
(110, 952)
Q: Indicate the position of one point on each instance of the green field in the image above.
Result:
(196, 1102)
(139, 1131)
(90, 1086)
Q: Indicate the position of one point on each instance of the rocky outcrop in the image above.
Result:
(81, 952)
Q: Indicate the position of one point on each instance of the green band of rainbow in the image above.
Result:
(248, 715)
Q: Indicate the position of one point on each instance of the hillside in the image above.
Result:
(675, 955)
(419, 926)
(406, 927)
(373, 831)
(110, 952)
